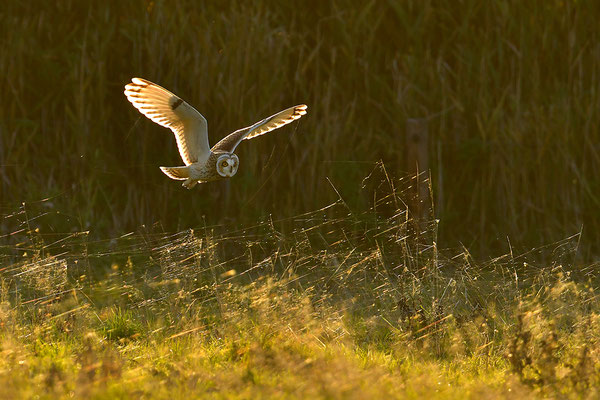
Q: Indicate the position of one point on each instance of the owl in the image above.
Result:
(202, 163)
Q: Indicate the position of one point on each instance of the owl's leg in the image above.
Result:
(189, 183)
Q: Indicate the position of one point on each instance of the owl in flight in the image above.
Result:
(202, 164)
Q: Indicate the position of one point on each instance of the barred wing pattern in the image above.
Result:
(168, 110)
(231, 141)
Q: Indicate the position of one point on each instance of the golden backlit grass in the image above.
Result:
(343, 306)
(510, 90)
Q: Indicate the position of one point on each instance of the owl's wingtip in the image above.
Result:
(139, 81)
(300, 110)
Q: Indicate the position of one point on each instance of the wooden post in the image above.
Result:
(417, 165)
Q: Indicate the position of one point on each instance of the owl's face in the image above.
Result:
(227, 165)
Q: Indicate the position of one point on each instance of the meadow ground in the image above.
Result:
(353, 306)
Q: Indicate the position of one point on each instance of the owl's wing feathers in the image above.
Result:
(168, 110)
(231, 141)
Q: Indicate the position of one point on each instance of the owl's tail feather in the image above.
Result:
(177, 173)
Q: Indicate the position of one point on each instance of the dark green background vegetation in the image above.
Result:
(510, 90)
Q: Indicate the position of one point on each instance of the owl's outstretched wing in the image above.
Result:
(231, 141)
(168, 110)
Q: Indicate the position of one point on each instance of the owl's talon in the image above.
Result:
(189, 183)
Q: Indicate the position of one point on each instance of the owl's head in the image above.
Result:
(227, 165)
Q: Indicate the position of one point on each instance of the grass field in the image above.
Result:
(305, 275)
(343, 306)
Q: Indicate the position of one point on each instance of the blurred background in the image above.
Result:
(509, 91)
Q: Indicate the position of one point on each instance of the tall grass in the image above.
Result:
(346, 305)
(510, 90)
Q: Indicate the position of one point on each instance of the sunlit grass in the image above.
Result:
(343, 307)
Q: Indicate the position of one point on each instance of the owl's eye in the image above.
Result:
(224, 164)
